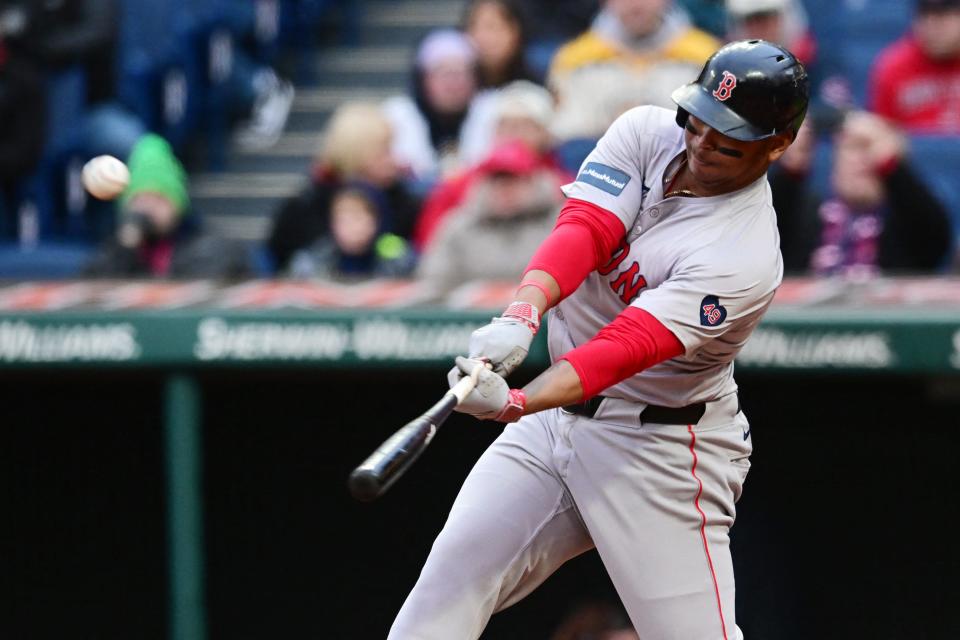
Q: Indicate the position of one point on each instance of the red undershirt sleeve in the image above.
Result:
(583, 239)
(634, 341)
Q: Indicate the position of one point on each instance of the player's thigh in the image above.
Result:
(658, 501)
(512, 501)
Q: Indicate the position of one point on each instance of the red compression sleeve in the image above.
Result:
(583, 239)
(634, 341)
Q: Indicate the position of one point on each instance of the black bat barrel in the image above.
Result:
(392, 458)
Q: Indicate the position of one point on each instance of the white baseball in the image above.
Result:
(105, 177)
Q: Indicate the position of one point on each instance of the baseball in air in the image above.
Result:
(105, 177)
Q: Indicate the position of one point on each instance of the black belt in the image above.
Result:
(689, 414)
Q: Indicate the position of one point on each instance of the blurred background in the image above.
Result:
(328, 196)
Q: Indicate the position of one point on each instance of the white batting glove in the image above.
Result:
(492, 398)
(505, 342)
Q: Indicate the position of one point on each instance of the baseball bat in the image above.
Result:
(384, 466)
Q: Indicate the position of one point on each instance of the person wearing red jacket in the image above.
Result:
(521, 115)
(916, 81)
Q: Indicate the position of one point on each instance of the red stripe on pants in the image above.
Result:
(703, 528)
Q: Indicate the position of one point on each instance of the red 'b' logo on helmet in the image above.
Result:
(727, 84)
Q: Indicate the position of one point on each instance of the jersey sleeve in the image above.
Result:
(701, 302)
(611, 177)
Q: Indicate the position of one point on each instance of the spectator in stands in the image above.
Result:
(878, 217)
(58, 35)
(499, 225)
(522, 112)
(430, 123)
(357, 248)
(23, 114)
(916, 81)
(356, 145)
(781, 21)
(497, 31)
(636, 34)
(158, 237)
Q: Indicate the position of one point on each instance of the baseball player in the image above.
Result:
(662, 263)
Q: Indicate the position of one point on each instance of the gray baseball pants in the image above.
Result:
(656, 500)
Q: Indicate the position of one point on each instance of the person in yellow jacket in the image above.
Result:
(638, 34)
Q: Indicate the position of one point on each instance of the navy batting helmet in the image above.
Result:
(747, 90)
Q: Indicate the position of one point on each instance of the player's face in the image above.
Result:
(721, 164)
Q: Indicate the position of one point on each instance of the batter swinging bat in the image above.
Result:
(371, 479)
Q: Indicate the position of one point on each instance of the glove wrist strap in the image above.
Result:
(516, 403)
(526, 313)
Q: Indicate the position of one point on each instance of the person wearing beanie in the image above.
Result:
(429, 122)
(157, 233)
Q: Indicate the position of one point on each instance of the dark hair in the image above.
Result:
(516, 67)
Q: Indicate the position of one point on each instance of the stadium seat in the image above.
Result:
(851, 33)
(43, 194)
(46, 261)
(938, 160)
(572, 153)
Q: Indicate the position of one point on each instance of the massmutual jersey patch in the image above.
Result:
(604, 178)
(712, 313)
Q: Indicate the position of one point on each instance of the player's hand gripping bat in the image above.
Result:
(371, 479)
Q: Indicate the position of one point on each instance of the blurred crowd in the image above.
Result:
(457, 179)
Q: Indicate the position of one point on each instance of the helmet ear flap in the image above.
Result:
(682, 116)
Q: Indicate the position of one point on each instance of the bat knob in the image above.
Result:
(364, 485)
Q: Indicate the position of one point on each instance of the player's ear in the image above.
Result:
(779, 144)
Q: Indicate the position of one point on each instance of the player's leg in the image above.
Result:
(511, 526)
(658, 501)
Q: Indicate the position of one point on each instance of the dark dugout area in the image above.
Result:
(844, 530)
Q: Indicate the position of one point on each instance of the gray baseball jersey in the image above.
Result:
(707, 268)
(656, 500)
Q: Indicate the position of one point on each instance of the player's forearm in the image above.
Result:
(558, 386)
(631, 343)
(634, 341)
(540, 289)
(583, 240)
